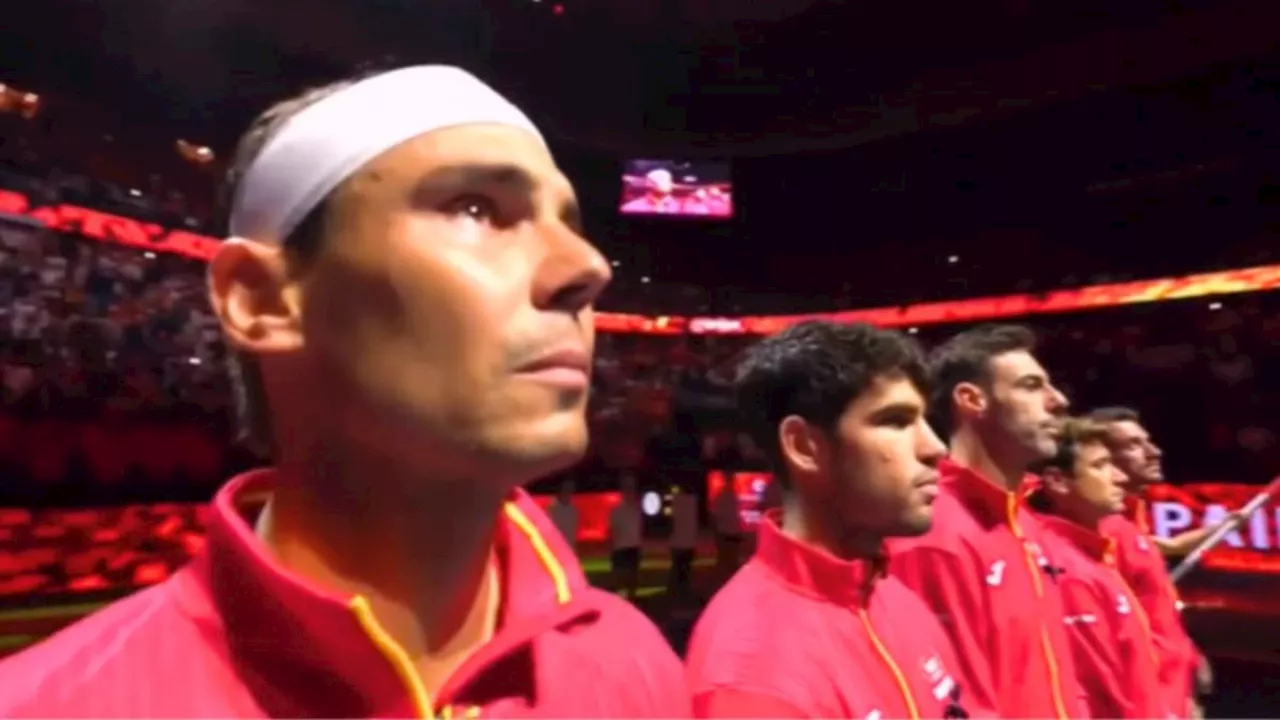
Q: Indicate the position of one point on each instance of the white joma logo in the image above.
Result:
(995, 575)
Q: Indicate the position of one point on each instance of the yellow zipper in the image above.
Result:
(1046, 644)
(912, 711)
(396, 656)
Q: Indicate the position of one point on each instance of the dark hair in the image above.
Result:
(966, 358)
(1075, 432)
(1114, 414)
(814, 370)
(301, 246)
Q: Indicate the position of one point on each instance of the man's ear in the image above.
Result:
(1055, 482)
(801, 444)
(254, 297)
(969, 399)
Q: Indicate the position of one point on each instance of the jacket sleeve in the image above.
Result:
(1179, 660)
(731, 703)
(1093, 635)
(951, 589)
(669, 694)
(1179, 657)
(653, 683)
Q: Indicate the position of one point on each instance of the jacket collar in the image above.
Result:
(1094, 545)
(991, 503)
(814, 571)
(1135, 509)
(304, 649)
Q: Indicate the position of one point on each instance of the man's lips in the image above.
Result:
(567, 367)
(928, 486)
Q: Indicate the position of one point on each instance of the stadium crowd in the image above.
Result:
(115, 389)
(94, 331)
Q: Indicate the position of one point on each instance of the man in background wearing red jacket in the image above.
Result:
(409, 294)
(982, 568)
(1115, 655)
(811, 627)
(1142, 557)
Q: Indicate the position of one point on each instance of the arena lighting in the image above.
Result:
(19, 102)
(191, 152)
(149, 237)
(651, 504)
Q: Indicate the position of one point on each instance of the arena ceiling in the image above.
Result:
(638, 75)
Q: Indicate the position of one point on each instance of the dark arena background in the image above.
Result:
(1108, 173)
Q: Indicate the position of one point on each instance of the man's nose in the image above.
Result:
(930, 448)
(573, 272)
(1058, 401)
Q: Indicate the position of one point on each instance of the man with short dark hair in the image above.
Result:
(1142, 460)
(408, 280)
(1142, 556)
(982, 568)
(811, 626)
(1112, 644)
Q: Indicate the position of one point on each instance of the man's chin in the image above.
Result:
(1042, 449)
(536, 455)
(918, 523)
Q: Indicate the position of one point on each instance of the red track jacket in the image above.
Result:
(1116, 658)
(800, 633)
(1143, 568)
(236, 635)
(982, 570)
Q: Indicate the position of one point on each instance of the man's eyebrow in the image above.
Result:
(898, 407)
(471, 174)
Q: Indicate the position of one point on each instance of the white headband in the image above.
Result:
(327, 142)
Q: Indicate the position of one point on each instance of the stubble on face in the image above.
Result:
(433, 296)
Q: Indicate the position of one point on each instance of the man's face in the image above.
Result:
(660, 182)
(452, 304)
(1135, 453)
(1097, 486)
(1025, 408)
(883, 460)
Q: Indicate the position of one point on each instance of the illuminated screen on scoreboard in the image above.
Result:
(749, 487)
(677, 188)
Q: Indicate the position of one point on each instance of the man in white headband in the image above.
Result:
(409, 295)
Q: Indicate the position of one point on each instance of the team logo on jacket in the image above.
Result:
(945, 689)
(943, 684)
(995, 575)
(1122, 604)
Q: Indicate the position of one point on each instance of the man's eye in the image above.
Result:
(476, 207)
(901, 421)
